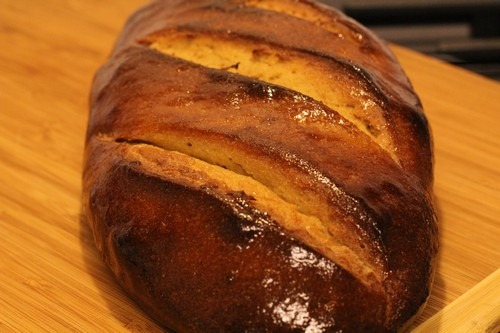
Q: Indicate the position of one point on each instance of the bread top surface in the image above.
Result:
(343, 176)
(215, 269)
(380, 97)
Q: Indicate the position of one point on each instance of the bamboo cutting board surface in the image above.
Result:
(51, 277)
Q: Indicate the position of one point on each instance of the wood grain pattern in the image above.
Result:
(51, 277)
(476, 311)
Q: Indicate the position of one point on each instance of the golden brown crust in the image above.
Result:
(214, 269)
(223, 202)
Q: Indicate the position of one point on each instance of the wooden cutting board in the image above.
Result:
(51, 277)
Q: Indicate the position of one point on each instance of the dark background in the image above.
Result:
(462, 32)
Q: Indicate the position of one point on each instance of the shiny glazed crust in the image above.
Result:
(260, 166)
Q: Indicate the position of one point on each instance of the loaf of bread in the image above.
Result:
(260, 166)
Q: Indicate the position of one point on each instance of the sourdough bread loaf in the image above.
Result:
(260, 166)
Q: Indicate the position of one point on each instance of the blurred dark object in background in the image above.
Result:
(462, 32)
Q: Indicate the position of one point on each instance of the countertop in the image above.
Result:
(51, 276)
